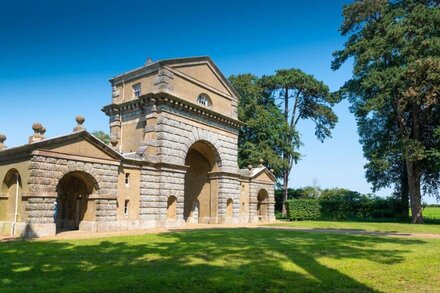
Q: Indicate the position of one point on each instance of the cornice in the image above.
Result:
(170, 100)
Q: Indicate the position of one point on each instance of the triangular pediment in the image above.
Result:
(262, 174)
(204, 71)
(205, 74)
(82, 146)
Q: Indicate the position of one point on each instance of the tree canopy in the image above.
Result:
(262, 136)
(395, 48)
(311, 99)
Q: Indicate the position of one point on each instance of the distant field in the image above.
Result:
(431, 212)
(365, 226)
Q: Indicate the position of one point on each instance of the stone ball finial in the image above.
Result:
(114, 141)
(250, 167)
(80, 119)
(261, 161)
(43, 130)
(2, 138)
(36, 127)
(272, 170)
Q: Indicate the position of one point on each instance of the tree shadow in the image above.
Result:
(214, 260)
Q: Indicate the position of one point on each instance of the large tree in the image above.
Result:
(262, 136)
(395, 48)
(386, 164)
(302, 97)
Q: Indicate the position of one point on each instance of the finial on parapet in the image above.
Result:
(42, 132)
(148, 62)
(114, 141)
(261, 163)
(272, 171)
(2, 141)
(250, 167)
(37, 136)
(80, 120)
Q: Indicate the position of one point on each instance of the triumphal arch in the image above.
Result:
(171, 160)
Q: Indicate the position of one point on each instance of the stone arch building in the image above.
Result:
(172, 160)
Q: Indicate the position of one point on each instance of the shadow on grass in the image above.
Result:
(214, 260)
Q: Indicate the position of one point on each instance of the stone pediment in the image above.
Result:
(81, 144)
(204, 74)
(86, 146)
(262, 174)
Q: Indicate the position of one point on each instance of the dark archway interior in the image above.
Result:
(262, 203)
(72, 202)
(8, 204)
(201, 160)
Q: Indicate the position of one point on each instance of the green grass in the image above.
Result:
(431, 213)
(365, 226)
(223, 260)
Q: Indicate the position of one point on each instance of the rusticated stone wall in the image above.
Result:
(229, 187)
(106, 210)
(40, 209)
(174, 138)
(254, 189)
(45, 174)
(156, 187)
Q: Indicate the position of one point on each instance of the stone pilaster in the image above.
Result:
(229, 188)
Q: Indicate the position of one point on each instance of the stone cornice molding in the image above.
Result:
(175, 102)
(52, 154)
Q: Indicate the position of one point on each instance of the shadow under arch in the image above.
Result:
(73, 204)
(262, 203)
(200, 198)
(11, 206)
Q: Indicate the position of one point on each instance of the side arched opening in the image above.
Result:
(229, 208)
(11, 206)
(262, 205)
(172, 208)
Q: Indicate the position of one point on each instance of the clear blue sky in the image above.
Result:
(56, 58)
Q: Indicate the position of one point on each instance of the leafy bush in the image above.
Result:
(342, 204)
(304, 192)
(349, 205)
(303, 209)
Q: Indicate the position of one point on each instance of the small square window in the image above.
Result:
(126, 207)
(137, 90)
(127, 179)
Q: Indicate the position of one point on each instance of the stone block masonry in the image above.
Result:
(45, 174)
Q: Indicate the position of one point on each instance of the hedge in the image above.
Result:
(303, 209)
(338, 207)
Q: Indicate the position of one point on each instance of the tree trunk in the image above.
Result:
(285, 191)
(414, 191)
(285, 156)
(404, 195)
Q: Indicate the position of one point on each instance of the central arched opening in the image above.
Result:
(73, 205)
(199, 200)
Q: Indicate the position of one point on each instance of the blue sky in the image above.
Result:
(56, 58)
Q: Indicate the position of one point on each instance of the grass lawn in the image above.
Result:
(431, 212)
(223, 260)
(365, 226)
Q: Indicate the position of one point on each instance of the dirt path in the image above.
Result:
(88, 235)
